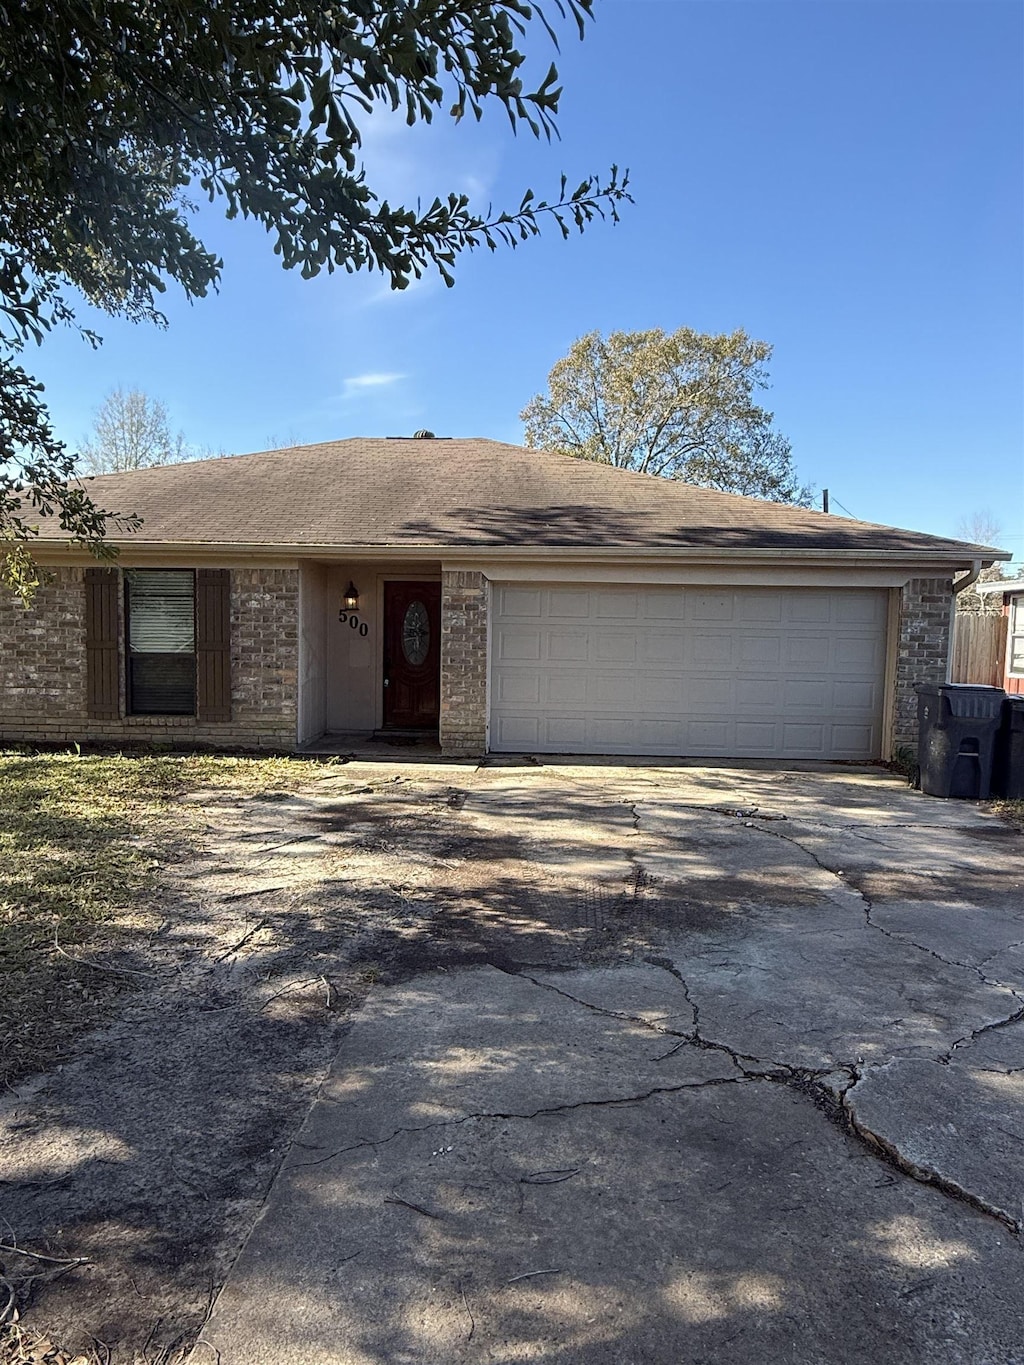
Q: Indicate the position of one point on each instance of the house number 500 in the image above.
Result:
(354, 622)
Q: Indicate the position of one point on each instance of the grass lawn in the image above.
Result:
(82, 842)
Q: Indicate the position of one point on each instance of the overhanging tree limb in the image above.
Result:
(114, 111)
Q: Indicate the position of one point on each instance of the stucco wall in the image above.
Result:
(43, 678)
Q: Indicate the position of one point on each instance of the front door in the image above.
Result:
(412, 655)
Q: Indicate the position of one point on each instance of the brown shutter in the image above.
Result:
(213, 644)
(101, 640)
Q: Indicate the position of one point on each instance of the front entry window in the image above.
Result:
(161, 630)
(416, 634)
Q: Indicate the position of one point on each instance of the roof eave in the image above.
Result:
(946, 558)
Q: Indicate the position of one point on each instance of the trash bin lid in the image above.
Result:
(972, 701)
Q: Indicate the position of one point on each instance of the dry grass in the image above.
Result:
(1010, 811)
(82, 842)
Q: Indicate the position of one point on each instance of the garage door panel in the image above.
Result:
(709, 736)
(861, 652)
(850, 741)
(568, 604)
(658, 605)
(660, 691)
(566, 646)
(755, 737)
(518, 602)
(712, 606)
(867, 609)
(662, 649)
(801, 737)
(760, 606)
(765, 650)
(519, 644)
(807, 652)
(615, 649)
(570, 731)
(855, 696)
(616, 605)
(803, 608)
(713, 649)
(614, 689)
(717, 673)
(807, 694)
(521, 686)
(564, 689)
(708, 694)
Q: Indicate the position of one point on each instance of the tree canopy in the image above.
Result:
(114, 113)
(679, 405)
(131, 431)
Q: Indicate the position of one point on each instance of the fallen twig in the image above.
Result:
(251, 895)
(472, 1319)
(13, 1249)
(249, 933)
(416, 1208)
(531, 1274)
(98, 966)
(11, 1298)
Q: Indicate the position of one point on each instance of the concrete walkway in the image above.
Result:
(782, 1120)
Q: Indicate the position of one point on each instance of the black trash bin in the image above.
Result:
(957, 728)
(1008, 769)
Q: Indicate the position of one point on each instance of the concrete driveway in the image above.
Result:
(771, 1109)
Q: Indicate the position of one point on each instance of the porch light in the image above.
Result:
(350, 600)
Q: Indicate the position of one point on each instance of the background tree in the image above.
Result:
(113, 113)
(982, 528)
(679, 405)
(131, 431)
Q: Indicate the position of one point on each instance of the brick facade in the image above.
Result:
(923, 651)
(43, 666)
(464, 598)
(43, 670)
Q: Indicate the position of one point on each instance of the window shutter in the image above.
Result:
(213, 643)
(101, 644)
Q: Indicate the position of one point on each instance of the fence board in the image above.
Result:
(979, 648)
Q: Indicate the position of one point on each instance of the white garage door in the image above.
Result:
(719, 672)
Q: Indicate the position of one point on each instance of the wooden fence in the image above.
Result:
(979, 649)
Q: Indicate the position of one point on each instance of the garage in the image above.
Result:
(733, 672)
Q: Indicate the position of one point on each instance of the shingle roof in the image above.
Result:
(462, 493)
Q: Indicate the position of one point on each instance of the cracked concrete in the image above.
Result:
(658, 1063)
(781, 1119)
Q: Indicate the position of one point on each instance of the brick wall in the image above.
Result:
(463, 728)
(924, 642)
(42, 670)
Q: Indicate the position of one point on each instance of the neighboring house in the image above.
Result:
(509, 600)
(1010, 593)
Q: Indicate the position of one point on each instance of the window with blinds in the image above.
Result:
(161, 630)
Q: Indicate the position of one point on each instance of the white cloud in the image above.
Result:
(358, 383)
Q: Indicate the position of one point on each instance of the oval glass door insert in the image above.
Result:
(415, 634)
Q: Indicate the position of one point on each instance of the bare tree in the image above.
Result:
(981, 528)
(131, 431)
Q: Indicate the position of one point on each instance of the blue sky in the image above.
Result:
(843, 180)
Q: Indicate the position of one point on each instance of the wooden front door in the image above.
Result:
(412, 655)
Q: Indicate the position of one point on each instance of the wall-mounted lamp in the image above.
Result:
(350, 599)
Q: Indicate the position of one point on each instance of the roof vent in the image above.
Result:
(423, 435)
